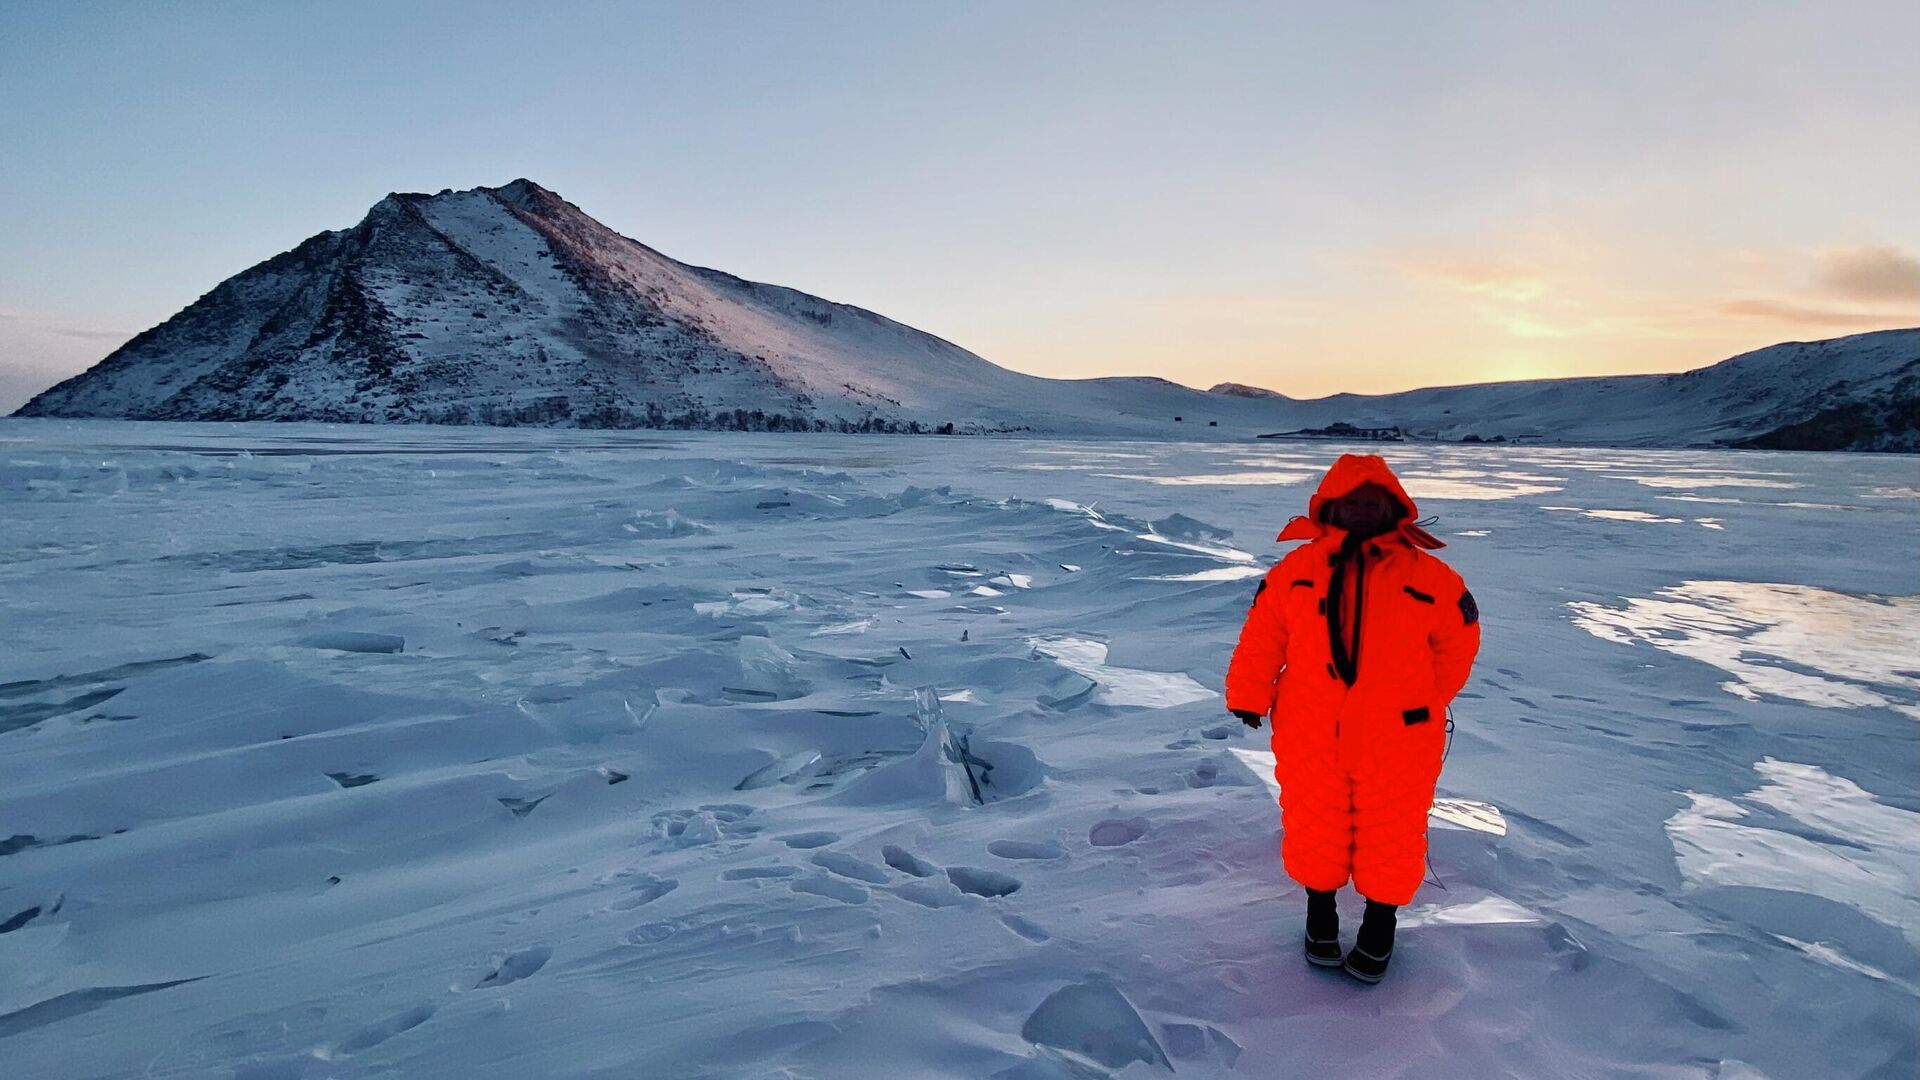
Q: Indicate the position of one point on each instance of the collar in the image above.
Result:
(1406, 533)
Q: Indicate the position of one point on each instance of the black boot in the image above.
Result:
(1323, 929)
(1373, 945)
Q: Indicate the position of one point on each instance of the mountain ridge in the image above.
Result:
(510, 305)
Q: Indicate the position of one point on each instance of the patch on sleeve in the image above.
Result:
(1469, 610)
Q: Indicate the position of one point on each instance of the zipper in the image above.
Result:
(1346, 665)
(1346, 662)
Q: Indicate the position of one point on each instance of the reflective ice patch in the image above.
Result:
(1792, 641)
(1218, 573)
(1853, 849)
(1684, 481)
(1233, 479)
(1218, 551)
(1466, 484)
(1618, 515)
(1118, 685)
(1486, 911)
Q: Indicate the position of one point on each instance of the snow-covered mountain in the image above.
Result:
(510, 306)
(1860, 392)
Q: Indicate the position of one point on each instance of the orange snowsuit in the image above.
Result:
(1357, 682)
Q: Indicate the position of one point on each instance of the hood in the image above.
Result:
(1347, 473)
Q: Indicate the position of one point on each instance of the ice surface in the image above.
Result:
(1863, 853)
(629, 766)
(1794, 641)
(1486, 911)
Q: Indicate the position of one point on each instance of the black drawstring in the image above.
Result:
(1346, 664)
(1443, 760)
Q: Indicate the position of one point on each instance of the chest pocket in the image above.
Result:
(1304, 603)
(1305, 621)
(1405, 614)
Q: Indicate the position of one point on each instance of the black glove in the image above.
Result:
(1251, 719)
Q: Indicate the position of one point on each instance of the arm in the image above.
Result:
(1455, 638)
(1261, 652)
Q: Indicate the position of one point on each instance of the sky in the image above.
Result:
(1312, 198)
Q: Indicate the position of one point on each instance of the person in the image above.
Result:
(1354, 644)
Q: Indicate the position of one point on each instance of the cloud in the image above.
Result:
(1810, 315)
(1524, 327)
(1254, 308)
(1870, 273)
(1484, 277)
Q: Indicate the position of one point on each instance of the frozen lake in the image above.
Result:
(342, 752)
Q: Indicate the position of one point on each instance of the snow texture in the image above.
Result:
(333, 751)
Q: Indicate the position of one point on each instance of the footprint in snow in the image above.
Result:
(751, 873)
(850, 866)
(374, 1034)
(980, 882)
(1024, 927)
(646, 891)
(1115, 832)
(1026, 849)
(809, 839)
(831, 887)
(513, 967)
(931, 892)
(651, 933)
(907, 862)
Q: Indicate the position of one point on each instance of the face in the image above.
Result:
(1367, 510)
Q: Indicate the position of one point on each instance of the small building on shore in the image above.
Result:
(1340, 429)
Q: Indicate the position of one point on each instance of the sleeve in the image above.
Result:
(1455, 638)
(1261, 652)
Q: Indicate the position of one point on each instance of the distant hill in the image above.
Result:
(510, 306)
(1860, 392)
(1234, 389)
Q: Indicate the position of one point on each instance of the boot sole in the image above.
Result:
(1335, 960)
(1327, 962)
(1362, 976)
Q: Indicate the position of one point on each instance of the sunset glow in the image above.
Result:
(1297, 198)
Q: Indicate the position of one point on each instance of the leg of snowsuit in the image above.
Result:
(1392, 793)
(1316, 803)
